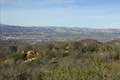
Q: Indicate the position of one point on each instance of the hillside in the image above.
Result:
(79, 60)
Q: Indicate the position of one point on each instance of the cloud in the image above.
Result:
(46, 2)
(6, 2)
(63, 1)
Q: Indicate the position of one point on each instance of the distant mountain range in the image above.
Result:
(48, 33)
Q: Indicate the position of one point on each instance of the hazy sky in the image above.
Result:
(78, 13)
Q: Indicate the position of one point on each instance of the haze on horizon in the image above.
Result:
(70, 13)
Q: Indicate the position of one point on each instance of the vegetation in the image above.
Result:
(72, 60)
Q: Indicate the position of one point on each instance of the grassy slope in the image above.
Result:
(83, 60)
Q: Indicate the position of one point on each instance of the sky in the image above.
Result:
(68, 13)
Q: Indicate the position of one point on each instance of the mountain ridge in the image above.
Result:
(56, 33)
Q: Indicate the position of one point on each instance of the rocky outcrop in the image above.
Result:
(30, 56)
